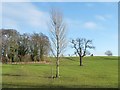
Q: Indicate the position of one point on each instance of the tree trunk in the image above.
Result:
(80, 60)
(57, 62)
(57, 68)
(41, 55)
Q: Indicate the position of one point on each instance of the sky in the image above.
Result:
(97, 21)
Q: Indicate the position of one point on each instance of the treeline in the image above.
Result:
(16, 47)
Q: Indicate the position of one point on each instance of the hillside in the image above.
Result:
(96, 72)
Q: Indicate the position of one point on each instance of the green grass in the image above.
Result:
(97, 72)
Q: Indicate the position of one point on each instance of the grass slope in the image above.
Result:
(97, 72)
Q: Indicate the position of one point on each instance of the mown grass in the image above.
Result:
(97, 72)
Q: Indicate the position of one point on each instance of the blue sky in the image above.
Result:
(96, 21)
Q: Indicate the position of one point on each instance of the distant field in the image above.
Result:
(97, 72)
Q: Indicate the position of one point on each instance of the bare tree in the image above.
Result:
(108, 53)
(58, 36)
(81, 45)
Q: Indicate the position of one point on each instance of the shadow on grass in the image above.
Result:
(69, 58)
(48, 86)
(30, 86)
(26, 75)
(11, 75)
(110, 58)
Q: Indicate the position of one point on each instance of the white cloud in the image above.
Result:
(90, 25)
(23, 13)
(103, 17)
(81, 25)
(100, 17)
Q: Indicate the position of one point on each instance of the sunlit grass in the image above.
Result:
(101, 72)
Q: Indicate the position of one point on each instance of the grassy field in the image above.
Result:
(97, 72)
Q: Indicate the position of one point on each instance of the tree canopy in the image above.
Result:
(15, 45)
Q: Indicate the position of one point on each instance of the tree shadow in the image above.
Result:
(69, 58)
(31, 86)
(11, 75)
(47, 86)
(110, 58)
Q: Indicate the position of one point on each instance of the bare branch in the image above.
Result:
(57, 34)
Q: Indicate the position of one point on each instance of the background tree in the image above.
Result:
(20, 47)
(23, 46)
(81, 45)
(58, 36)
(9, 43)
(0, 45)
(44, 46)
(108, 53)
(40, 46)
(13, 46)
(34, 46)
